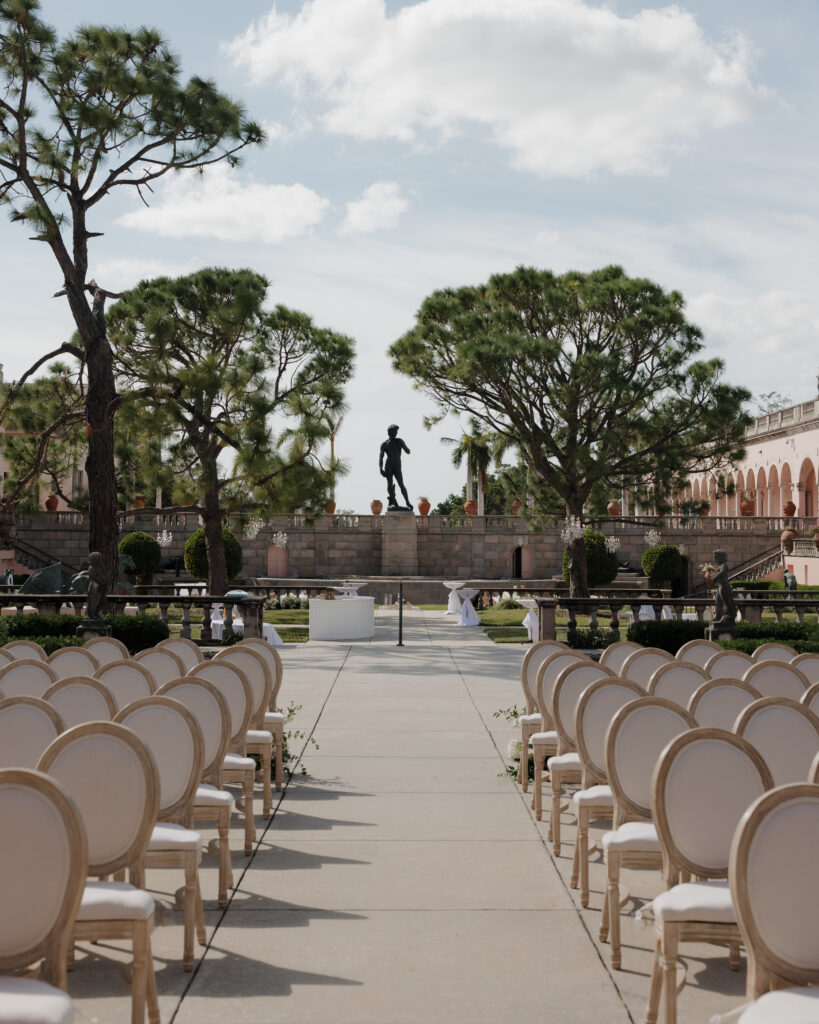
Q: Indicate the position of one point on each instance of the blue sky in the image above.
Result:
(417, 146)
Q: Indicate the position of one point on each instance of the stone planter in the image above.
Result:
(787, 538)
(376, 507)
(789, 509)
(424, 507)
(614, 508)
(471, 507)
(51, 503)
(329, 508)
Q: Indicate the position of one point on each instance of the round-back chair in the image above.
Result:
(26, 677)
(719, 702)
(810, 698)
(776, 651)
(80, 699)
(532, 661)
(126, 681)
(677, 681)
(641, 665)
(550, 669)
(27, 726)
(274, 662)
(5, 657)
(808, 665)
(234, 686)
(162, 664)
(697, 652)
(73, 661)
(186, 650)
(598, 705)
(258, 675)
(25, 649)
(106, 649)
(777, 679)
(210, 709)
(785, 733)
(568, 689)
(728, 664)
(615, 655)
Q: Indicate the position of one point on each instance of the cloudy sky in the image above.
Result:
(421, 145)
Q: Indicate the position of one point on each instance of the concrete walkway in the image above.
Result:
(403, 878)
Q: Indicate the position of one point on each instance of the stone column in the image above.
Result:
(399, 545)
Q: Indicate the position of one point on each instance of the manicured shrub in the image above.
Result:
(508, 603)
(662, 562)
(30, 626)
(667, 635)
(138, 632)
(145, 551)
(670, 635)
(592, 639)
(196, 556)
(601, 565)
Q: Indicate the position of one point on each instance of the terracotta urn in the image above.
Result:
(789, 509)
(516, 507)
(376, 507)
(614, 508)
(424, 506)
(787, 538)
(471, 507)
(708, 577)
(51, 503)
(330, 508)
(139, 501)
(747, 508)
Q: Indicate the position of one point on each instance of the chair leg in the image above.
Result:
(613, 906)
(656, 985)
(537, 783)
(151, 995)
(139, 973)
(670, 944)
(250, 826)
(267, 791)
(201, 936)
(557, 791)
(225, 874)
(191, 886)
(734, 956)
(582, 848)
(603, 934)
(523, 767)
(278, 749)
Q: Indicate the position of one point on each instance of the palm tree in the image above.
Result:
(477, 450)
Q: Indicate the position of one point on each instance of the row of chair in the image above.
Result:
(607, 733)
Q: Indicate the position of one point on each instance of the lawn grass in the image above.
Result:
(502, 616)
(507, 635)
(294, 616)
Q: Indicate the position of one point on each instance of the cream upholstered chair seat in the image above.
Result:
(697, 652)
(636, 836)
(73, 661)
(126, 681)
(788, 1006)
(167, 835)
(186, 650)
(163, 664)
(719, 702)
(26, 1001)
(696, 901)
(109, 901)
(594, 796)
(106, 649)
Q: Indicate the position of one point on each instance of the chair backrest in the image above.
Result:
(808, 665)
(258, 675)
(43, 863)
(81, 699)
(186, 650)
(163, 665)
(532, 661)
(728, 665)
(26, 677)
(785, 733)
(547, 675)
(702, 785)
(106, 649)
(274, 662)
(719, 702)
(677, 681)
(810, 698)
(774, 652)
(638, 734)
(209, 708)
(569, 687)
(111, 775)
(640, 666)
(813, 774)
(5, 657)
(25, 649)
(777, 679)
(598, 705)
(73, 661)
(126, 681)
(27, 726)
(772, 872)
(697, 652)
(615, 655)
(234, 686)
(172, 735)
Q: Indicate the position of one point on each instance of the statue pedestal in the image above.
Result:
(90, 628)
(399, 545)
(728, 629)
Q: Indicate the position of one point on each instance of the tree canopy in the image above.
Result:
(590, 376)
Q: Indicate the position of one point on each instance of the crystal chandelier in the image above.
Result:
(572, 530)
(279, 540)
(653, 538)
(164, 539)
(612, 544)
(252, 527)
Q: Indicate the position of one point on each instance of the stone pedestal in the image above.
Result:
(399, 545)
(90, 628)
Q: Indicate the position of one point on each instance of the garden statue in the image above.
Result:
(725, 612)
(389, 465)
(789, 579)
(93, 624)
(44, 581)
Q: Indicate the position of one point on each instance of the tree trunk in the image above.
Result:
(214, 542)
(578, 572)
(468, 479)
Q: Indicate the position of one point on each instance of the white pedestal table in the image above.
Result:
(346, 618)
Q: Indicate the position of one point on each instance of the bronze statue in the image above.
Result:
(95, 599)
(725, 612)
(389, 465)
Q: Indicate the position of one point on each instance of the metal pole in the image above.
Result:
(400, 615)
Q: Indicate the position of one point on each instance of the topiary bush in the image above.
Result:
(662, 562)
(138, 632)
(196, 555)
(591, 639)
(601, 565)
(145, 551)
(668, 635)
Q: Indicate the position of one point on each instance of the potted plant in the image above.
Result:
(376, 506)
(704, 507)
(789, 510)
(424, 506)
(471, 507)
(707, 570)
(329, 508)
(787, 537)
(747, 505)
(51, 503)
(614, 508)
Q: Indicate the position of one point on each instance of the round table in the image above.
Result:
(347, 590)
(469, 617)
(530, 622)
(454, 604)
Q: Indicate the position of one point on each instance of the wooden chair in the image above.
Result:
(27, 726)
(719, 702)
(162, 664)
(636, 737)
(274, 719)
(728, 665)
(73, 661)
(210, 802)
(81, 699)
(5, 658)
(810, 698)
(595, 709)
(808, 665)
(640, 666)
(785, 733)
(677, 681)
(697, 652)
(186, 650)
(258, 740)
(26, 677)
(544, 743)
(42, 872)
(113, 780)
(173, 737)
(126, 681)
(774, 652)
(532, 721)
(234, 686)
(106, 649)
(777, 679)
(614, 656)
(25, 649)
(701, 788)
(772, 871)
(566, 766)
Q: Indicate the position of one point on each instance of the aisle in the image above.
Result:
(402, 879)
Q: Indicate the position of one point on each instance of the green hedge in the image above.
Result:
(145, 551)
(668, 635)
(671, 635)
(592, 639)
(750, 645)
(662, 562)
(601, 565)
(136, 631)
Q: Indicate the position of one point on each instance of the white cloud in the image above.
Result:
(567, 86)
(380, 206)
(768, 324)
(218, 204)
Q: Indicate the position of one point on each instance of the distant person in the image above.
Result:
(389, 465)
